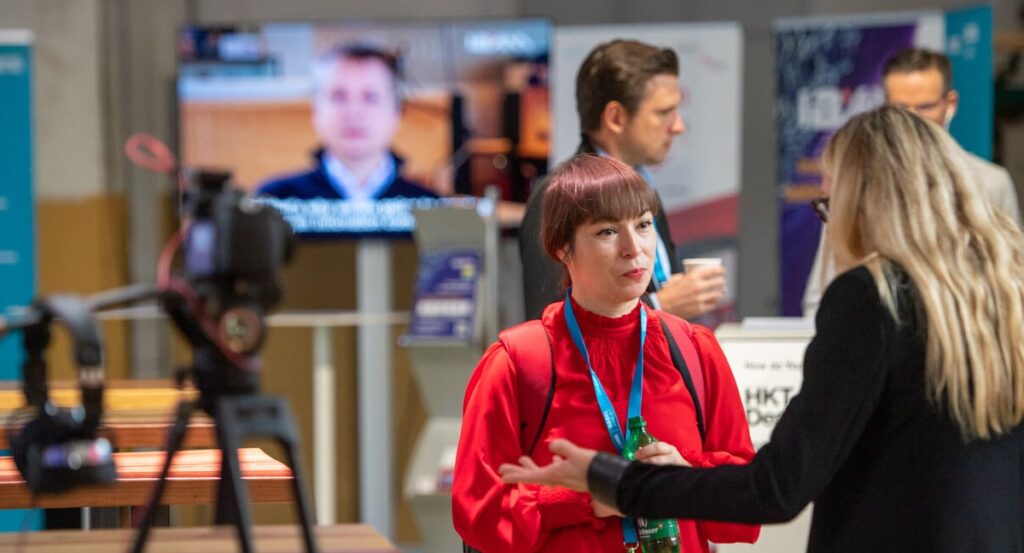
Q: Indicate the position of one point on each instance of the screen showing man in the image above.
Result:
(356, 112)
(398, 116)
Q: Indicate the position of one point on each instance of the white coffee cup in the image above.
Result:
(691, 263)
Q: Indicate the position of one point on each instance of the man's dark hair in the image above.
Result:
(920, 59)
(360, 52)
(618, 71)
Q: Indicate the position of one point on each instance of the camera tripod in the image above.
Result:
(236, 418)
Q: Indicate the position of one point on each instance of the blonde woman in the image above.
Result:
(907, 433)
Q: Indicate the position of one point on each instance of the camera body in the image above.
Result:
(233, 251)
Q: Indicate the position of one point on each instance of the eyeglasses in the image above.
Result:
(820, 206)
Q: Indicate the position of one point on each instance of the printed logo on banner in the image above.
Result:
(444, 305)
(828, 107)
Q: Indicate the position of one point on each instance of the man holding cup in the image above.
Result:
(627, 97)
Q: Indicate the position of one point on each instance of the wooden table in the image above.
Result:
(342, 538)
(136, 413)
(193, 479)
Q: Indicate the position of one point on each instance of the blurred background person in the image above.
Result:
(627, 97)
(598, 224)
(922, 81)
(906, 433)
(356, 110)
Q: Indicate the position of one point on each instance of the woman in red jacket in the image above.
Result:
(611, 359)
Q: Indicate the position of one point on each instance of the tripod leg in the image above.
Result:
(301, 498)
(288, 437)
(232, 495)
(175, 437)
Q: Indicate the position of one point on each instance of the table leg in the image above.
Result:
(324, 463)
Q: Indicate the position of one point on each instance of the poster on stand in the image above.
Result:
(17, 209)
(827, 70)
(445, 298)
(700, 180)
(17, 212)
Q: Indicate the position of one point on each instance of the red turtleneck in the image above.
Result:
(495, 517)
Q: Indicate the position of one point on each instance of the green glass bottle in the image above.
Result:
(656, 535)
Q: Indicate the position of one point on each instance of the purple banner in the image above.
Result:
(825, 74)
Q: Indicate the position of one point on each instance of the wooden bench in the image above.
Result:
(342, 538)
(136, 413)
(193, 479)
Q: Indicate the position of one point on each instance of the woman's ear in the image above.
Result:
(563, 254)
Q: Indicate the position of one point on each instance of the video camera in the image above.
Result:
(233, 249)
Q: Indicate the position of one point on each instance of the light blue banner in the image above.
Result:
(969, 47)
(17, 209)
(17, 213)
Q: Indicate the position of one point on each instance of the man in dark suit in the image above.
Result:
(356, 111)
(627, 97)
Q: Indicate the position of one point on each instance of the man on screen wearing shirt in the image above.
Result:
(356, 111)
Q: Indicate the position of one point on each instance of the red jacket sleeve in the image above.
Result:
(490, 515)
(728, 433)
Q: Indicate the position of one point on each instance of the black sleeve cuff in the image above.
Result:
(603, 476)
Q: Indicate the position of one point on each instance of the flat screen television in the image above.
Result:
(346, 126)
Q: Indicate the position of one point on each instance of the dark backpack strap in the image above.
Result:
(535, 373)
(683, 358)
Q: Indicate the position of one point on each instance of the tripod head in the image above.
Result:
(233, 249)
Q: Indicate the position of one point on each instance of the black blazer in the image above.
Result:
(542, 276)
(886, 468)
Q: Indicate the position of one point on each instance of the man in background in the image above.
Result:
(921, 81)
(627, 97)
(356, 111)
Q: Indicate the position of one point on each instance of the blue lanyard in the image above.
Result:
(611, 420)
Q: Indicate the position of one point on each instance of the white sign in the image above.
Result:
(768, 366)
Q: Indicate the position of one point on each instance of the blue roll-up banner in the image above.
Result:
(17, 211)
(969, 47)
(829, 69)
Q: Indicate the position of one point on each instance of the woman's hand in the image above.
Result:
(568, 469)
(660, 453)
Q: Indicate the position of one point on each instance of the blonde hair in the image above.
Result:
(903, 194)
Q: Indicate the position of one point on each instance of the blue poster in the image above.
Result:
(444, 304)
(17, 213)
(969, 47)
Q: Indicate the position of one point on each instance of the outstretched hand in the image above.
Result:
(568, 469)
